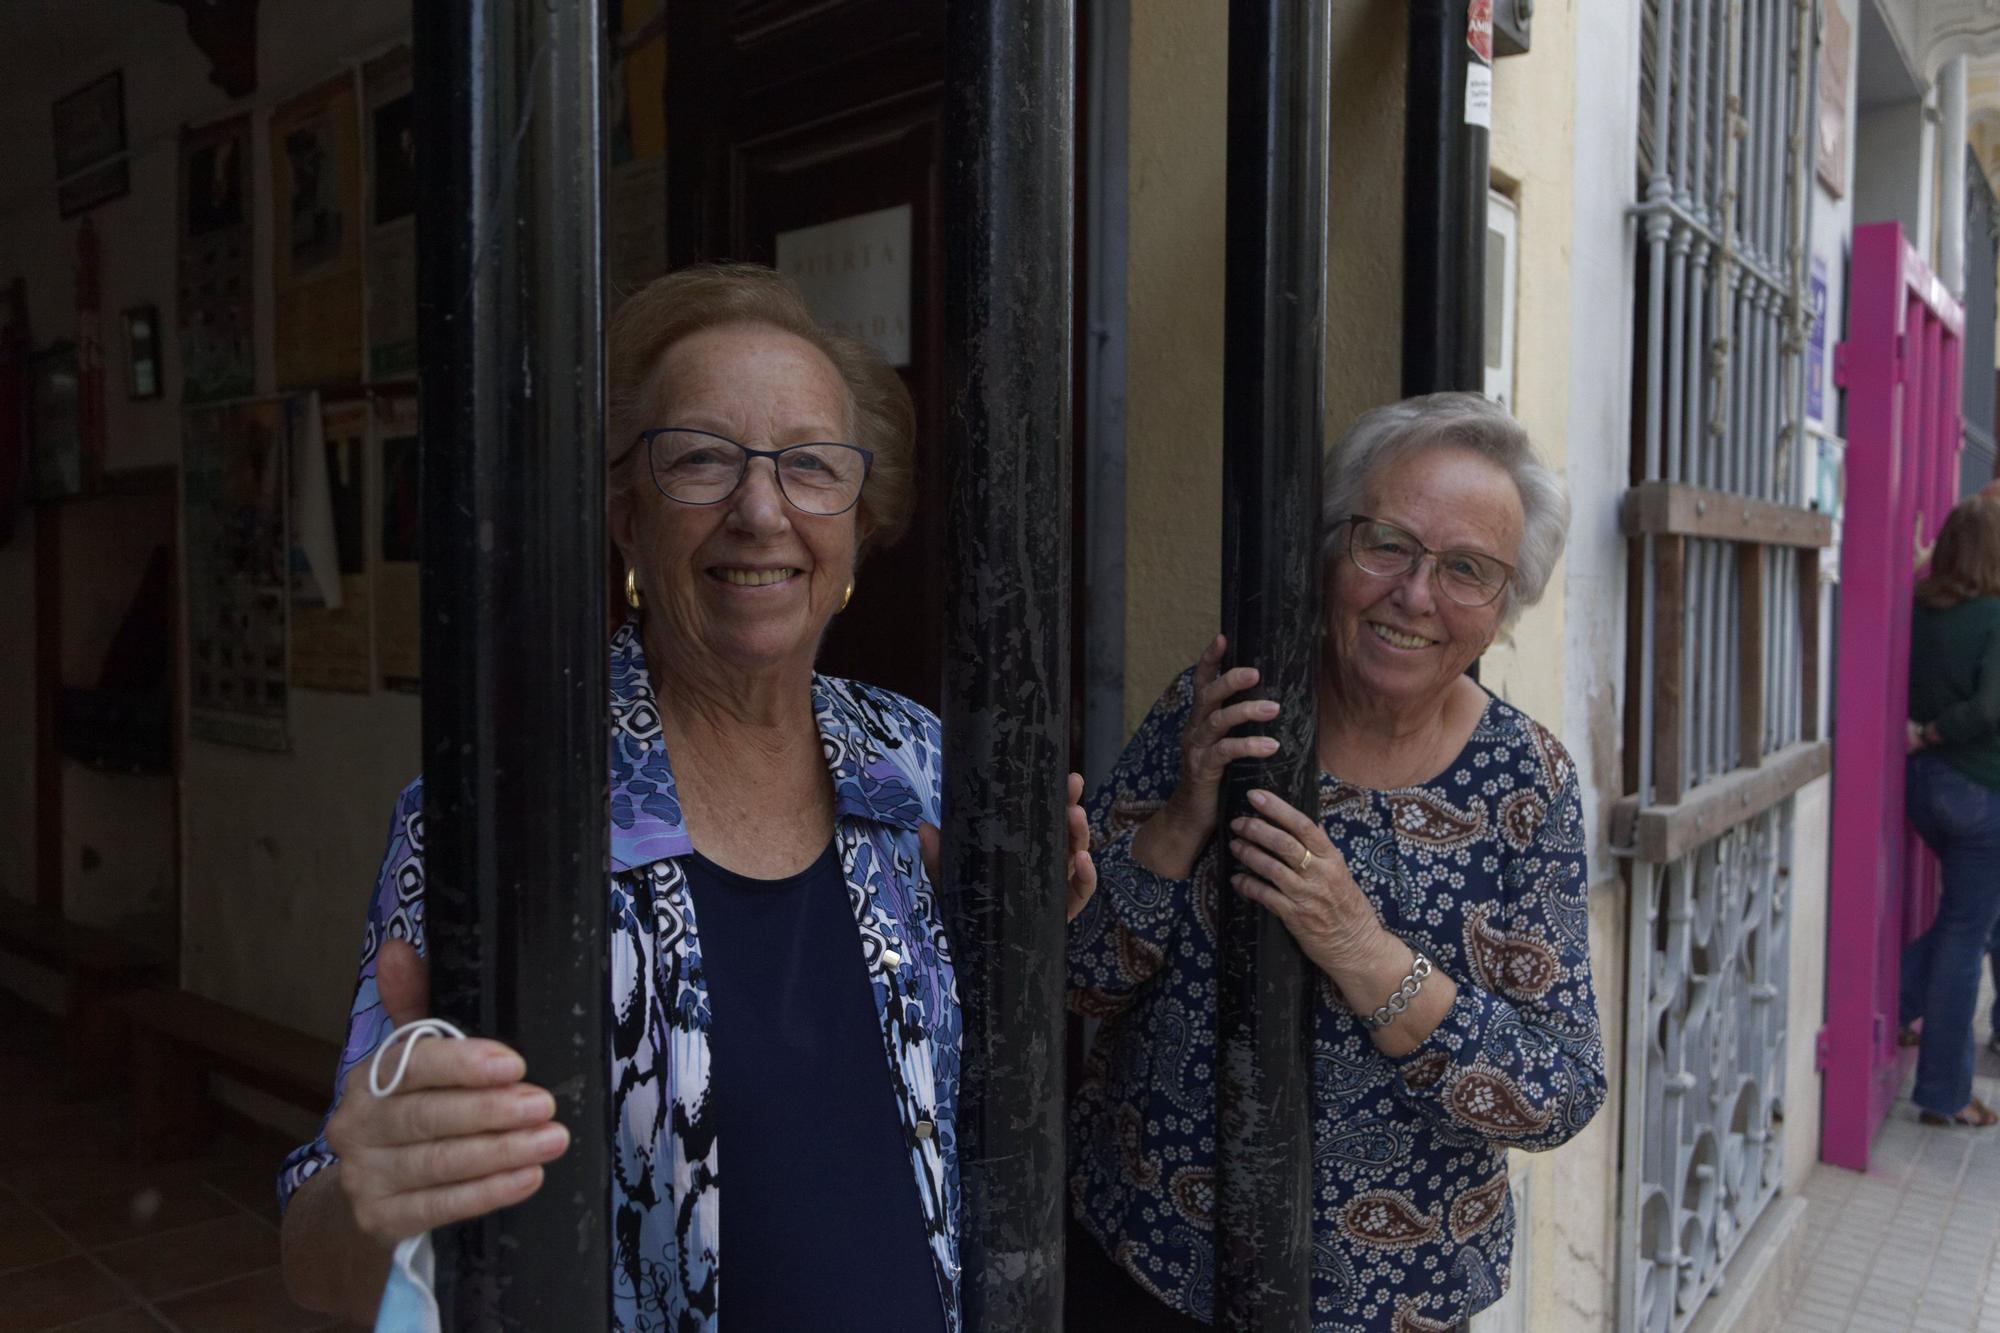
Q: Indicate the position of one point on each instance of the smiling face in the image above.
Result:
(750, 581)
(1398, 641)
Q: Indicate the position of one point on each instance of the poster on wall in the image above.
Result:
(635, 192)
(217, 319)
(398, 543)
(390, 140)
(316, 236)
(331, 622)
(234, 466)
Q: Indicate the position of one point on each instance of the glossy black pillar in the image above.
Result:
(1009, 156)
(514, 637)
(1445, 143)
(1274, 367)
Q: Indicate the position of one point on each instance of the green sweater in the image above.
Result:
(1955, 683)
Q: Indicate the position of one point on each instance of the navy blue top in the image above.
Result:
(822, 1217)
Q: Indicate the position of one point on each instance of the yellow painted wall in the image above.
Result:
(1173, 467)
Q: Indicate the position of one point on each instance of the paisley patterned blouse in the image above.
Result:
(1482, 869)
(882, 752)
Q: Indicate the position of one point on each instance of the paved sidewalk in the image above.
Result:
(1914, 1243)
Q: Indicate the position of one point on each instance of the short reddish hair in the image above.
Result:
(707, 296)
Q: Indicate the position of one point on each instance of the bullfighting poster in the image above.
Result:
(398, 543)
(234, 466)
(331, 622)
(392, 217)
(316, 236)
(217, 292)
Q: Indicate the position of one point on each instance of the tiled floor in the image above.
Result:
(91, 1243)
(1915, 1243)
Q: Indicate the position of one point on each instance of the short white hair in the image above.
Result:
(1464, 421)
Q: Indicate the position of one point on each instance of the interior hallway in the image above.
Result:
(92, 1243)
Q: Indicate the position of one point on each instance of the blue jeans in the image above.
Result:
(1960, 819)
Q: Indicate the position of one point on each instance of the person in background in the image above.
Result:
(1952, 796)
(1437, 884)
(781, 982)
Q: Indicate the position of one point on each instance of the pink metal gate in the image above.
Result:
(1900, 365)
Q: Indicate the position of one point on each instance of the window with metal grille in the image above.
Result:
(1721, 713)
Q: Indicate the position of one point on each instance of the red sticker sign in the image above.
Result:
(1479, 29)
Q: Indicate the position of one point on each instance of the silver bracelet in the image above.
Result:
(1420, 967)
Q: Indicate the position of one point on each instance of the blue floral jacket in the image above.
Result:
(1483, 869)
(882, 751)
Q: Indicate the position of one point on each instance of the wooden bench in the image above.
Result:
(179, 1038)
(97, 969)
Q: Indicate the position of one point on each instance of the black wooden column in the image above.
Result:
(1009, 151)
(1444, 199)
(1274, 367)
(514, 636)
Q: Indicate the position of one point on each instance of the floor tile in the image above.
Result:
(129, 1320)
(49, 1295)
(194, 1256)
(254, 1304)
(148, 1203)
(25, 1239)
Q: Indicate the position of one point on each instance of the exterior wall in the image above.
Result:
(1894, 172)
(1832, 226)
(1173, 348)
(1173, 464)
(278, 850)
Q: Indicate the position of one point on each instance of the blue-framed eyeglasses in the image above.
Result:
(698, 467)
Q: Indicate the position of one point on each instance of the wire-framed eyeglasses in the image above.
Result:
(1469, 578)
(698, 467)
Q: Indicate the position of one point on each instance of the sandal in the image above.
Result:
(1975, 1114)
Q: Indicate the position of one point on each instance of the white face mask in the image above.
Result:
(409, 1301)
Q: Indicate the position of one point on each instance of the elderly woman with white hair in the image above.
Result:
(1439, 889)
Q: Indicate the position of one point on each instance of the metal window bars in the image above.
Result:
(1722, 701)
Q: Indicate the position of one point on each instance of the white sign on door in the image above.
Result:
(855, 273)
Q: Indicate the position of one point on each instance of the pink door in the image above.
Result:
(1900, 366)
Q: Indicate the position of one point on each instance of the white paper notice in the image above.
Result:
(1479, 94)
(856, 276)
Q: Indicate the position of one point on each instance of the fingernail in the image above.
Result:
(535, 1106)
(1257, 798)
(1269, 745)
(504, 1066)
(551, 1138)
(1236, 845)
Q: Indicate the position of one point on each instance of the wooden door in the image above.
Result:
(784, 115)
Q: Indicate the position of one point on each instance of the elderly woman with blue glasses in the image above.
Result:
(1438, 887)
(782, 987)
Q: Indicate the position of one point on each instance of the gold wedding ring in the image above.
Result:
(1305, 861)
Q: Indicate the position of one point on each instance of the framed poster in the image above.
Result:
(235, 517)
(316, 236)
(217, 317)
(331, 622)
(90, 124)
(399, 527)
(392, 216)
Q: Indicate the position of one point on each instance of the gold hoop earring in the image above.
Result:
(847, 596)
(632, 588)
